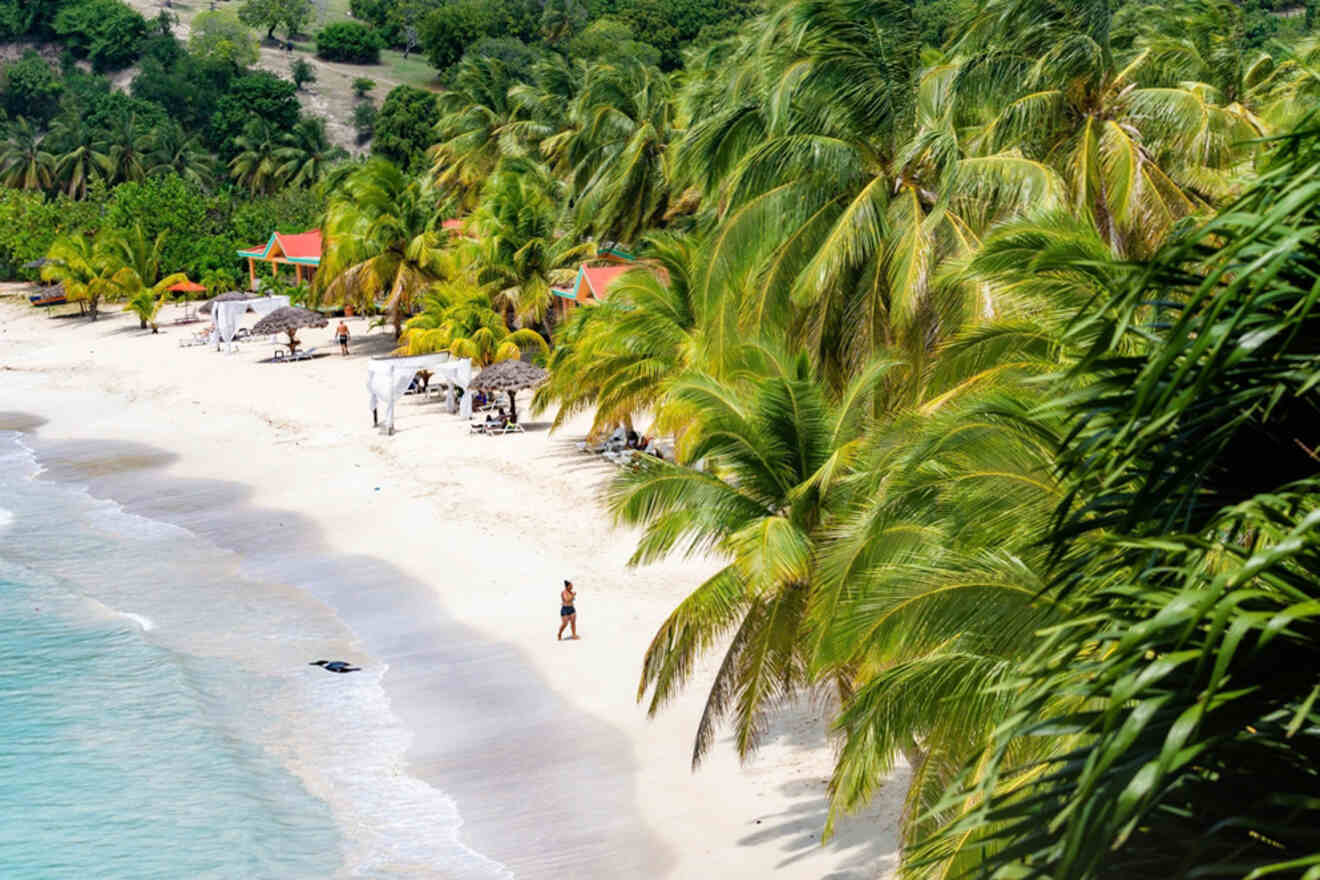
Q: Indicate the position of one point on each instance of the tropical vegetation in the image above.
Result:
(984, 333)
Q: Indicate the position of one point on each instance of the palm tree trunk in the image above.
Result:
(513, 407)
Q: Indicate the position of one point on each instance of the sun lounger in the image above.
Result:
(478, 427)
(507, 428)
(305, 354)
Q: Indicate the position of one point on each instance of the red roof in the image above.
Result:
(599, 278)
(304, 247)
(455, 224)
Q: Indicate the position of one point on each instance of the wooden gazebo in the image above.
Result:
(302, 251)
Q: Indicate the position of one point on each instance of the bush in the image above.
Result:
(30, 88)
(364, 121)
(106, 32)
(448, 31)
(405, 126)
(349, 41)
(258, 94)
(363, 86)
(221, 38)
(302, 72)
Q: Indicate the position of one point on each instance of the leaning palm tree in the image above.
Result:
(620, 358)
(383, 238)
(25, 162)
(306, 154)
(80, 160)
(776, 455)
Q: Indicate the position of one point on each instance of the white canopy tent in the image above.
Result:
(389, 378)
(228, 315)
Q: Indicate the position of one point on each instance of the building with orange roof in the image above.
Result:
(302, 251)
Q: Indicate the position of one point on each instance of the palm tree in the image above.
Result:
(25, 162)
(776, 454)
(306, 154)
(1136, 158)
(79, 159)
(257, 165)
(620, 358)
(174, 151)
(463, 323)
(146, 305)
(474, 113)
(81, 264)
(522, 251)
(127, 147)
(614, 149)
(1188, 546)
(134, 249)
(383, 238)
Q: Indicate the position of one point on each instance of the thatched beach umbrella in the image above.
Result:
(510, 377)
(231, 296)
(289, 319)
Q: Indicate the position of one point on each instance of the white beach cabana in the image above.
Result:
(228, 315)
(389, 377)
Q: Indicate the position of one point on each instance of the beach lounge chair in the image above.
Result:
(506, 428)
(306, 354)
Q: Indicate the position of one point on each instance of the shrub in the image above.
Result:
(405, 126)
(106, 32)
(349, 41)
(30, 88)
(362, 86)
(364, 121)
(302, 72)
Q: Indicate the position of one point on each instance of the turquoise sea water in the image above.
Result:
(158, 718)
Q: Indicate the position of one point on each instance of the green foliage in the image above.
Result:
(221, 38)
(106, 32)
(364, 121)
(20, 18)
(30, 223)
(363, 86)
(609, 39)
(30, 88)
(448, 31)
(405, 126)
(253, 96)
(349, 41)
(1185, 736)
(301, 72)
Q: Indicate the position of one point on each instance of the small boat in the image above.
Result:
(47, 299)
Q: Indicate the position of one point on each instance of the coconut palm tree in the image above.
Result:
(522, 252)
(80, 262)
(257, 165)
(175, 152)
(127, 147)
(79, 158)
(474, 113)
(1188, 546)
(383, 238)
(463, 323)
(613, 150)
(621, 357)
(25, 162)
(306, 154)
(777, 452)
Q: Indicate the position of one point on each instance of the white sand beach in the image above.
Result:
(490, 526)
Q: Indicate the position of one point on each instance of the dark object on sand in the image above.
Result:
(336, 666)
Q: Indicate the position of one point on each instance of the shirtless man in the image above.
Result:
(567, 613)
(341, 333)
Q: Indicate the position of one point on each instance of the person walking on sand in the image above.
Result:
(567, 611)
(341, 333)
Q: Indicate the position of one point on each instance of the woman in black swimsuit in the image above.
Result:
(567, 613)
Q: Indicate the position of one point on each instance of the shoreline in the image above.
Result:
(483, 529)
